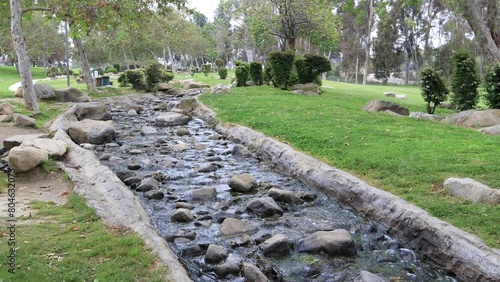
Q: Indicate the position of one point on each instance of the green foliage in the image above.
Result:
(116, 66)
(492, 86)
(242, 73)
(434, 89)
(100, 71)
(464, 81)
(137, 78)
(153, 76)
(256, 73)
(268, 76)
(123, 80)
(281, 65)
(387, 56)
(111, 70)
(206, 69)
(53, 72)
(219, 63)
(192, 70)
(222, 72)
(311, 67)
(166, 76)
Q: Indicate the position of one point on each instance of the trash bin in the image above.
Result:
(104, 80)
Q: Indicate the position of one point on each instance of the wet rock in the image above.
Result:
(215, 254)
(337, 242)
(283, 196)
(253, 274)
(275, 246)
(124, 173)
(203, 223)
(214, 159)
(105, 157)
(232, 227)
(203, 194)
(310, 272)
(366, 276)
(171, 119)
(211, 167)
(366, 229)
(154, 194)
(131, 106)
(243, 183)
(148, 184)
(264, 207)
(183, 132)
(189, 234)
(148, 130)
(223, 215)
(240, 151)
(132, 181)
(181, 147)
(94, 111)
(308, 197)
(223, 270)
(134, 166)
(192, 250)
(182, 215)
(136, 152)
(243, 241)
(23, 121)
(132, 112)
(199, 147)
(26, 159)
(54, 148)
(91, 131)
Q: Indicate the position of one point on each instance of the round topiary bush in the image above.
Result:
(242, 73)
(137, 78)
(222, 73)
(256, 73)
(492, 86)
(434, 89)
(153, 76)
(206, 69)
(281, 65)
(464, 81)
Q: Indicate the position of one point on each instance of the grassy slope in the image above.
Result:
(407, 157)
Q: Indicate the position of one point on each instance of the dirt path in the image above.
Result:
(33, 185)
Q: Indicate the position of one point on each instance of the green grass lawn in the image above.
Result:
(9, 76)
(408, 157)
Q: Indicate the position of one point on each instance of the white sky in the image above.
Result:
(207, 7)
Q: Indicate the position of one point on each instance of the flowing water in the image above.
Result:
(179, 174)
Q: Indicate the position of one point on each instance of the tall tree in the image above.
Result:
(368, 41)
(387, 52)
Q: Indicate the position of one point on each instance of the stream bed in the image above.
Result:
(164, 165)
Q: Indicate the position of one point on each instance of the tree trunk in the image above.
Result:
(428, 26)
(357, 68)
(126, 59)
(89, 80)
(368, 42)
(490, 46)
(30, 100)
(172, 59)
(407, 68)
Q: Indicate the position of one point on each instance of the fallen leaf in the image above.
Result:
(74, 229)
(2, 234)
(83, 236)
(26, 242)
(64, 193)
(45, 186)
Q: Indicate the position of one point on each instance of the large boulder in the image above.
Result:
(19, 92)
(420, 115)
(71, 95)
(45, 92)
(336, 242)
(192, 84)
(23, 121)
(171, 119)
(95, 111)
(264, 207)
(6, 118)
(309, 89)
(243, 183)
(232, 227)
(55, 148)
(168, 89)
(17, 140)
(6, 109)
(215, 254)
(26, 159)
(382, 106)
(182, 215)
(469, 189)
(203, 194)
(283, 196)
(220, 89)
(492, 130)
(474, 118)
(91, 131)
(275, 246)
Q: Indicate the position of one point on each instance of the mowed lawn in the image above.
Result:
(408, 157)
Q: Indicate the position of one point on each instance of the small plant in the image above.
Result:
(222, 73)
(192, 70)
(206, 69)
(492, 86)
(242, 73)
(268, 76)
(464, 81)
(281, 65)
(434, 89)
(256, 73)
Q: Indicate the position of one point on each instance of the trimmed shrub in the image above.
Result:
(116, 67)
(222, 72)
(434, 89)
(492, 86)
(206, 69)
(112, 70)
(242, 73)
(123, 80)
(219, 63)
(153, 76)
(268, 76)
(137, 78)
(166, 76)
(256, 73)
(311, 67)
(464, 81)
(281, 65)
